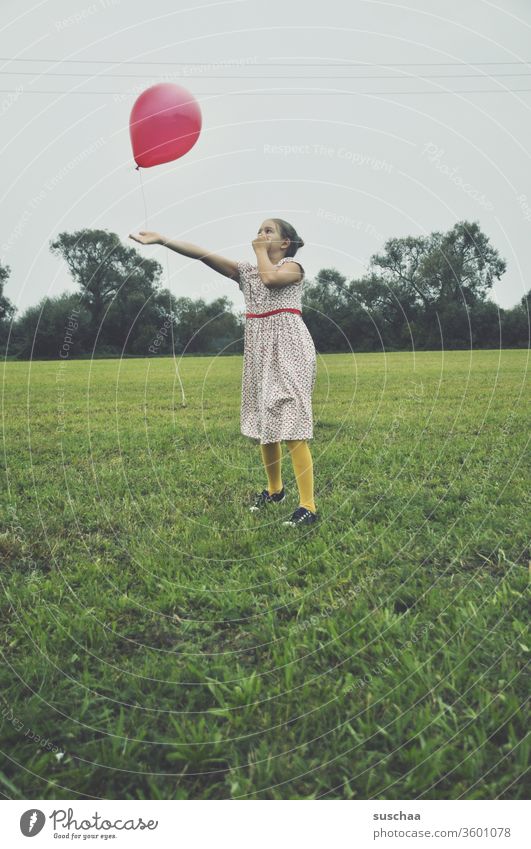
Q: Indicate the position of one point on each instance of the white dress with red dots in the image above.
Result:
(279, 362)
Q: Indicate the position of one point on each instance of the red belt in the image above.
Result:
(272, 312)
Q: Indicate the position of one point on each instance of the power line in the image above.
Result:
(274, 93)
(265, 64)
(262, 76)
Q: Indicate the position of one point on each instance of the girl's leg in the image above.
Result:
(303, 467)
(272, 458)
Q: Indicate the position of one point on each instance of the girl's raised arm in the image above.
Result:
(227, 267)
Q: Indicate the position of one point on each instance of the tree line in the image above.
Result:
(423, 292)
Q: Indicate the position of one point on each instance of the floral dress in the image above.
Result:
(279, 362)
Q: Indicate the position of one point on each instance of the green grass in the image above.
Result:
(173, 645)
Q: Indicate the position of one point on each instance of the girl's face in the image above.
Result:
(269, 229)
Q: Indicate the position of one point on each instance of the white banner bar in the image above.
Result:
(265, 824)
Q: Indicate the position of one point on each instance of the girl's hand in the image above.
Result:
(146, 238)
(260, 242)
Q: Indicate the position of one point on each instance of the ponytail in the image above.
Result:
(287, 231)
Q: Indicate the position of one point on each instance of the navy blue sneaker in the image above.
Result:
(301, 516)
(263, 498)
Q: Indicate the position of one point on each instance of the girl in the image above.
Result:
(279, 364)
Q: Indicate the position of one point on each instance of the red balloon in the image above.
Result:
(165, 123)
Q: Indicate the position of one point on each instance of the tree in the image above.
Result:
(516, 324)
(391, 310)
(206, 328)
(363, 315)
(7, 309)
(105, 269)
(55, 327)
(464, 263)
(133, 321)
(400, 267)
(327, 306)
(486, 320)
(459, 265)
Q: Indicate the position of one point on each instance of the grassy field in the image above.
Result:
(160, 641)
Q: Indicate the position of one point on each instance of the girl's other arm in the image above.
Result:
(227, 267)
(272, 275)
(289, 274)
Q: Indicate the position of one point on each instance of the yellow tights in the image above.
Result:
(301, 459)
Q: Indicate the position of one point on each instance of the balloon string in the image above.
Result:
(168, 288)
(172, 336)
(143, 198)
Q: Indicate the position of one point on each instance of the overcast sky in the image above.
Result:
(334, 115)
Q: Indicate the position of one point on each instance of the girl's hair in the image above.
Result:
(287, 231)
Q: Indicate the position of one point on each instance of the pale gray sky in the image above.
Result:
(296, 125)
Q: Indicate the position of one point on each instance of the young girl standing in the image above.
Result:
(279, 364)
